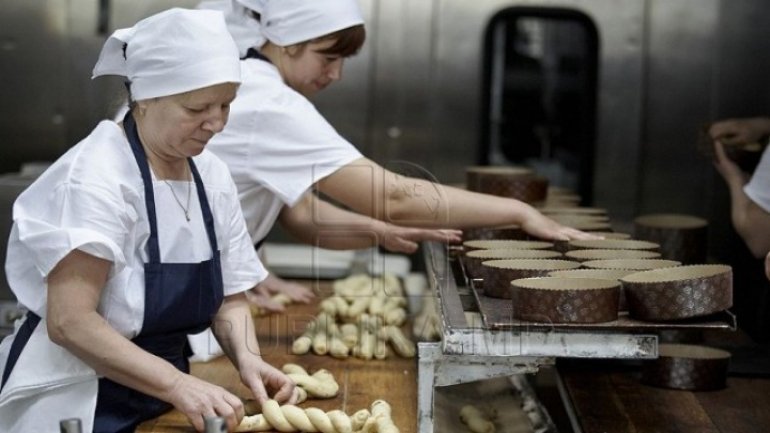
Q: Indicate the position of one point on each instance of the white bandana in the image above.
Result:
(243, 27)
(173, 52)
(288, 22)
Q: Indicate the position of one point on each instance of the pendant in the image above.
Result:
(187, 215)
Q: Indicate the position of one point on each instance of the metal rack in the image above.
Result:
(472, 350)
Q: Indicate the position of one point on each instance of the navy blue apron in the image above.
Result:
(180, 299)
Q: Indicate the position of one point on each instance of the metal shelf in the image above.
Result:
(486, 345)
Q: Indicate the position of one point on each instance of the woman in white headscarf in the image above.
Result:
(132, 240)
(278, 146)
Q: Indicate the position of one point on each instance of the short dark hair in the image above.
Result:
(347, 41)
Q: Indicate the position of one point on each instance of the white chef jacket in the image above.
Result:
(92, 199)
(276, 145)
(758, 188)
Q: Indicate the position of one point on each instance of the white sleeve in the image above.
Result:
(76, 216)
(241, 267)
(294, 147)
(758, 188)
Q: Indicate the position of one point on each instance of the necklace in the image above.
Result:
(185, 209)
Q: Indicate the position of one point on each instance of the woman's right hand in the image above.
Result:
(540, 226)
(198, 399)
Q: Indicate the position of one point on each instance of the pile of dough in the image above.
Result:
(360, 319)
(290, 418)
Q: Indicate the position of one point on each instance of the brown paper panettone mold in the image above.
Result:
(513, 182)
(603, 274)
(687, 367)
(631, 264)
(512, 232)
(681, 237)
(565, 300)
(679, 292)
(613, 244)
(498, 274)
(509, 244)
(473, 259)
(605, 254)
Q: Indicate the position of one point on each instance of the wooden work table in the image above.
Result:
(607, 397)
(361, 382)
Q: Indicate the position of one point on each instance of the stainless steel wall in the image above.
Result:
(414, 92)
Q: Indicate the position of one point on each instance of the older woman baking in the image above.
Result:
(131, 241)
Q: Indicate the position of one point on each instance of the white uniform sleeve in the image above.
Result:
(306, 149)
(758, 188)
(76, 216)
(241, 267)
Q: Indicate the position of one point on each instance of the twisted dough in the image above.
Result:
(320, 384)
(289, 418)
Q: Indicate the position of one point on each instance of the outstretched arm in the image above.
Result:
(370, 189)
(321, 223)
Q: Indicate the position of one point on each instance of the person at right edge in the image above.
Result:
(749, 194)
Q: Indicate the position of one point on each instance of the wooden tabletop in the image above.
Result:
(608, 397)
(361, 382)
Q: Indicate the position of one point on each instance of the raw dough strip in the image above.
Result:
(476, 420)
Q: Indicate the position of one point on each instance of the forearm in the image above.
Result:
(234, 329)
(89, 337)
(321, 223)
(74, 291)
(445, 206)
(371, 190)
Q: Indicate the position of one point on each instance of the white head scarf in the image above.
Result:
(288, 22)
(243, 27)
(173, 52)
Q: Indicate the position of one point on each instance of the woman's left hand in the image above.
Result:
(265, 380)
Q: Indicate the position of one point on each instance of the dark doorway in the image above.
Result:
(539, 108)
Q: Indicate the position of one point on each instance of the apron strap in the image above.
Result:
(208, 218)
(21, 339)
(129, 124)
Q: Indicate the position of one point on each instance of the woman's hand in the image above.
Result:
(273, 285)
(726, 167)
(264, 380)
(405, 239)
(198, 399)
(740, 131)
(540, 226)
